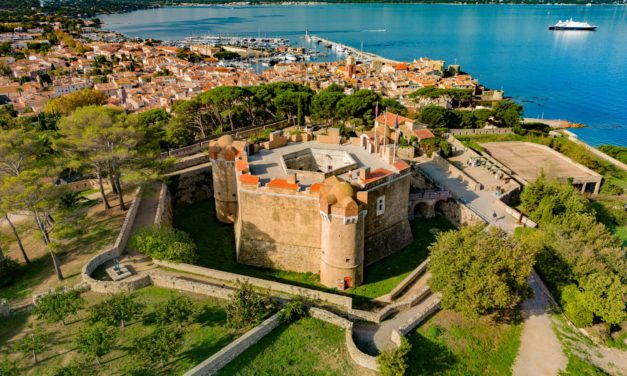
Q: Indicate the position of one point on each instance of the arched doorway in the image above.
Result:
(421, 210)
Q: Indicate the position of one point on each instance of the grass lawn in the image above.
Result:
(449, 344)
(216, 245)
(202, 338)
(573, 344)
(306, 347)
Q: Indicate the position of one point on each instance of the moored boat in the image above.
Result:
(572, 25)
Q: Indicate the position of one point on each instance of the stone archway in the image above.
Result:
(423, 209)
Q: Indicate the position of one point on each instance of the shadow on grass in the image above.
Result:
(27, 277)
(428, 357)
(211, 315)
(11, 326)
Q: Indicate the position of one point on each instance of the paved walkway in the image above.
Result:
(481, 202)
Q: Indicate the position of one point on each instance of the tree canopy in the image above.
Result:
(480, 272)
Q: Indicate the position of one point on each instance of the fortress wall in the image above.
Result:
(389, 232)
(279, 230)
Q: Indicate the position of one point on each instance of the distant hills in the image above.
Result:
(90, 8)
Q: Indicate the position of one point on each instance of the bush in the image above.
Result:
(293, 311)
(8, 368)
(574, 306)
(394, 362)
(7, 270)
(178, 309)
(247, 307)
(165, 243)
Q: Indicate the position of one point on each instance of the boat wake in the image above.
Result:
(374, 31)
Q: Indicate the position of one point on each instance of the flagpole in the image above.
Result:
(385, 130)
(395, 139)
(376, 137)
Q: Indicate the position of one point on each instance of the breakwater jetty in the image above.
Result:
(364, 56)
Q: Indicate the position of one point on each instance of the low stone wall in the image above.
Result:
(329, 317)
(235, 348)
(197, 287)
(413, 321)
(5, 309)
(515, 214)
(362, 359)
(457, 173)
(398, 290)
(573, 137)
(481, 131)
(188, 162)
(344, 302)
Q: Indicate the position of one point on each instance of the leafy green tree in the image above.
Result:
(95, 340)
(158, 347)
(480, 272)
(165, 243)
(58, 305)
(394, 362)
(324, 105)
(33, 343)
(9, 368)
(8, 268)
(508, 113)
(103, 138)
(118, 309)
(604, 295)
(438, 117)
(178, 309)
(66, 104)
(246, 307)
(574, 303)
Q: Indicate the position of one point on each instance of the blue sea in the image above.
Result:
(574, 75)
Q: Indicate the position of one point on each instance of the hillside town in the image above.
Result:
(141, 76)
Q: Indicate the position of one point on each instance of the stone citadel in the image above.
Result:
(313, 206)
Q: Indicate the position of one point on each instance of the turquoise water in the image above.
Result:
(579, 76)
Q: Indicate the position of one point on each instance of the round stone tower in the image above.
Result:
(342, 236)
(223, 154)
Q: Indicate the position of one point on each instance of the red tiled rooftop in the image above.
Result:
(377, 174)
(282, 184)
(249, 179)
(401, 165)
(390, 119)
(241, 165)
(424, 134)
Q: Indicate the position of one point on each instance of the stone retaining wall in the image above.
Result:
(197, 287)
(329, 317)
(457, 173)
(362, 359)
(343, 302)
(235, 348)
(165, 213)
(413, 321)
(398, 290)
(573, 137)
(481, 131)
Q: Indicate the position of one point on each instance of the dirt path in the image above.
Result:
(540, 351)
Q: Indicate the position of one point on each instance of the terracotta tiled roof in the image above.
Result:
(249, 179)
(282, 184)
(377, 174)
(241, 165)
(390, 120)
(424, 134)
(401, 165)
(315, 187)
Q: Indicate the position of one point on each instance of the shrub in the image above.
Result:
(293, 311)
(178, 309)
(165, 243)
(247, 307)
(394, 362)
(58, 305)
(8, 368)
(574, 306)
